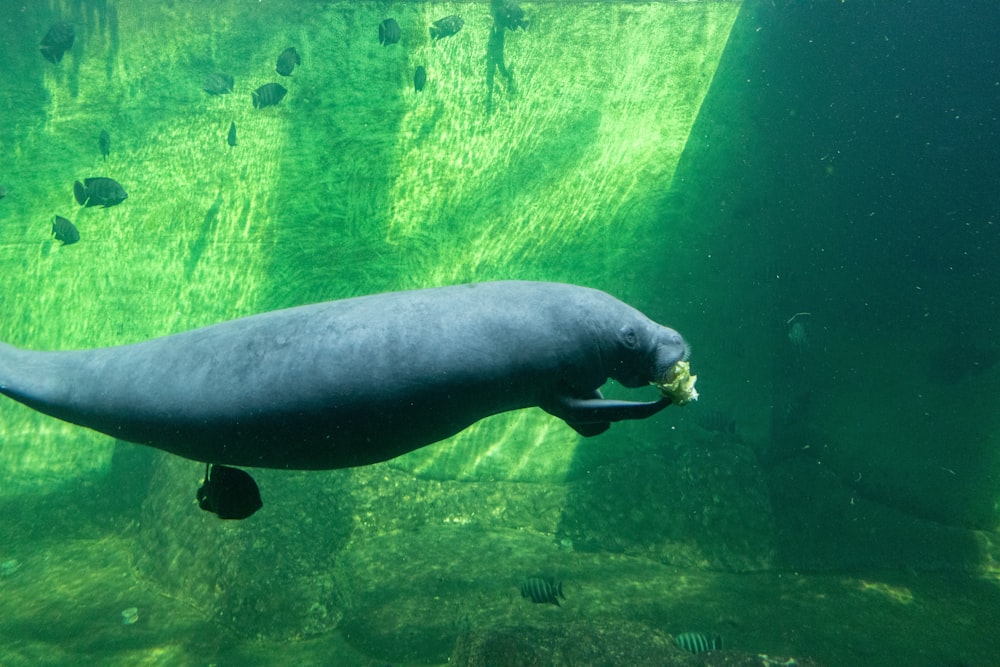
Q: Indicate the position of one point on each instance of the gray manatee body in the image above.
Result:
(352, 382)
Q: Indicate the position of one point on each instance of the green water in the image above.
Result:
(834, 493)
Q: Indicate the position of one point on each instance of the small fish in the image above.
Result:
(57, 41)
(542, 590)
(419, 78)
(446, 27)
(65, 231)
(3, 193)
(104, 141)
(287, 61)
(698, 642)
(218, 83)
(268, 95)
(130, 616)
(229, 493)
(389, 32)
(99, 191)
(231, 137)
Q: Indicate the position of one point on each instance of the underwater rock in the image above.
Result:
(268, 95)
(419, 78)
(287, 61)
(698, 642)
(218, 83)
(446, 27)
(593, 642)
(231, 137)
(389, 32)
(721, 515)
(57, 41)
(104, 141)
(271, 577)
(613, 642)
(99, 191)
(542, 590)
(65, 231)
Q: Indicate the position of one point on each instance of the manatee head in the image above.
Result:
(646, 352)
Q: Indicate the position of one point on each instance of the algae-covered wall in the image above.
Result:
(354, 183)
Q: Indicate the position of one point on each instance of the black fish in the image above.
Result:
(99, 191)
(104, 141)
(542, 590)
(508, 14)
(447, 26)
(698, 642)
(389, 32)
(268, 95)
(231, 137)
(287, 61)
(419, 78)
(229, 493)
(218, 83)
(65, 231)
(57, 41)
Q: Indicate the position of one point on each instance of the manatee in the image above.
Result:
(359, 380)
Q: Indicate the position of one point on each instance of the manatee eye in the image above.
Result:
(629, 339)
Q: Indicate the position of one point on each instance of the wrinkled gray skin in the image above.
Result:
(352, 382)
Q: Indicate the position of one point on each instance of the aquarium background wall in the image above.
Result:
(806, 190)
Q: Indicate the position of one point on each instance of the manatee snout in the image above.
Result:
(670, 348)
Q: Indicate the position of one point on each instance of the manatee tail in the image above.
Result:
(6, 357)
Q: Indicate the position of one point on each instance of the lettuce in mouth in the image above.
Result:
(678, 385)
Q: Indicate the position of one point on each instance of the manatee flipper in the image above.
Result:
(593, 415)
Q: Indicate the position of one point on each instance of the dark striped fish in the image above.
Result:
(268, 95)
(508, 14)
(57, 41)
(389, 32)
(541, 590)
(717, 421)
(99, 191)
(65, 231)
(218, 83)
(698, 642)
(446, 27)
(287, 61)
(229, 493)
